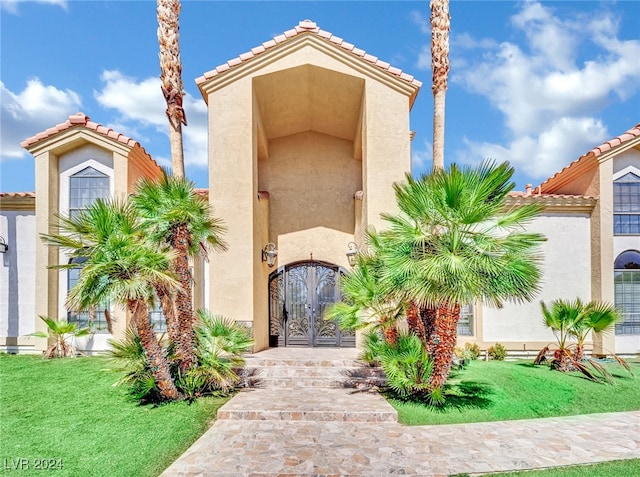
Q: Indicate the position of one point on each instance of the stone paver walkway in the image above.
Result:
(326, 432)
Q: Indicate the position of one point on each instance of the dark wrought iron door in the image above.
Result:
(298, 298)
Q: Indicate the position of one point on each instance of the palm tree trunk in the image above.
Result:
(428, 316)
(168, 310)
(155, 354)
(415, 323)
(389, 330)
(171, 78)
(440, 26)
(184, 305)
(445, 338)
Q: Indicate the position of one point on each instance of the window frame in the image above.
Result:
(633, 216)
(627, 326)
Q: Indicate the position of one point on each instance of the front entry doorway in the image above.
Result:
(299, 294)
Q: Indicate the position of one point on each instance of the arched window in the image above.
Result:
(627, 291)
(626, 205)
(86, 186)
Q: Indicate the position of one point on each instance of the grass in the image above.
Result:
(68, 410)
(616, 468)
(506, 390)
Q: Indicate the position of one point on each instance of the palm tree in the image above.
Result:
(367, 300)
(120, 266)
(174, 215)
(440, 26)
(455, 242)
(171, 77)
(62, 335)
(574, 319)
(597, 317)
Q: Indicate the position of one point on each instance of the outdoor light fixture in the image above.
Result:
(3, 246)
(269, 254)
(352, 253)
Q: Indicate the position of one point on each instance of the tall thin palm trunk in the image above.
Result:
(184, 306)
(171, 78)
(155, 354)
(440, 26)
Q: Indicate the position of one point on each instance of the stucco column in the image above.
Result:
(386, 150)
(602, 254)
(232, 194)
(46, 291)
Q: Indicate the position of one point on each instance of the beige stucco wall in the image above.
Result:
(566, 266)
(311, 179)
(309, 163)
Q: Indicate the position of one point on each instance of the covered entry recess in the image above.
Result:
(299, 294)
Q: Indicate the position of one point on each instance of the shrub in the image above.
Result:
(63, 335)
(471, 351)
(220, 343)
(407, 365)
(497, 352)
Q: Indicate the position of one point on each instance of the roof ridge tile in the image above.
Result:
(307, 27)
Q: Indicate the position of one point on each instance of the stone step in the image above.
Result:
(309, 377)
(254, 361)
(306, 404)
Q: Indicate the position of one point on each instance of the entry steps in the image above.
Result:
(309, 384)
(308, 368)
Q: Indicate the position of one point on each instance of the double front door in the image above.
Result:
(299, 295)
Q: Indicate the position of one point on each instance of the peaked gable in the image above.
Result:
(309, 28)
(591, 159)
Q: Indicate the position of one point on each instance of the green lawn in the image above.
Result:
(68, 410)
(616, 468)
(504, 390)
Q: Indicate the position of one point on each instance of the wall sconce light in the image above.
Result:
(3, 246)
(269, 254)
(352, 253)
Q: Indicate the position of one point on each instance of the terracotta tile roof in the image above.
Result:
(554, 202)
(308, 27)
(25, 195)
(588, 160)
(79, 120)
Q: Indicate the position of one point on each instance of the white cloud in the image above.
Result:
(424, 58)
(422, 158)
(548, 94)
(541, 154)
(11, 6)
(422, 21)
(34, 109)
(140, 104)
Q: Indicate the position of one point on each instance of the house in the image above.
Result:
(307, 134)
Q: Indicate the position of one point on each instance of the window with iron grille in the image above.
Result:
(627, 292)
(465, 323)
(626, 205)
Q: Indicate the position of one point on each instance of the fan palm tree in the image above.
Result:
(120, 266)
(168, 12)
(440, 26)
(174, 215)
(575, 319)
(454, 242)
(367, 301)
(62, 334)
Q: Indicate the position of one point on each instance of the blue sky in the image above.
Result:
(535, 83)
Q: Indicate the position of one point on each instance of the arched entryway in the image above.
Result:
(299, 295)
